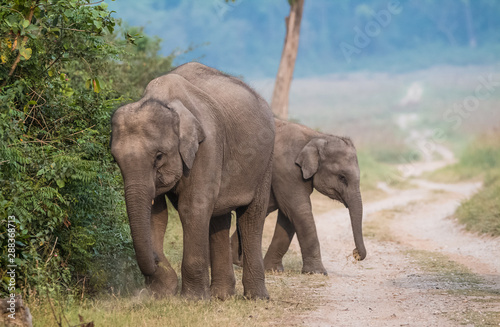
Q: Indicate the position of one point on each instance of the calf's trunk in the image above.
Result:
(355, 205)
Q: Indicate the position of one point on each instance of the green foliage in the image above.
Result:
(481, 213)
(56, 172)
(478, 159)
(373, 172)
(139, 62)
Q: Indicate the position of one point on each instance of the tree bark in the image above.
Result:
(279, 102)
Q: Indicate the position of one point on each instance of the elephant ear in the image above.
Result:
(308, 158)
(191, 133)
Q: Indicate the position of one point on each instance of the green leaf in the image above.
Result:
(60, 183)
(26, 23)
(25, 53)
(97, 86)
(87, 83)
(31, 28)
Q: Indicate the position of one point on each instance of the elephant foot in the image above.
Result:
(256, 294)
(274, 266)
(222, 291)
(163, 282)
(195, 295)
(314, 269)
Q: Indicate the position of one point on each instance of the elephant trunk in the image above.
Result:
(355, 205)
(138, 200)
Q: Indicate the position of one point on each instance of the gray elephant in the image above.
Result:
(305, 159)
(205, 140)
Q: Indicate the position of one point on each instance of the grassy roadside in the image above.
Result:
(292, 294)
(443, 274)
(480, 160)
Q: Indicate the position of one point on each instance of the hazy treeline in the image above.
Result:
(246, 37)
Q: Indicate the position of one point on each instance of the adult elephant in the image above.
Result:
(304, 160)
(205, 140)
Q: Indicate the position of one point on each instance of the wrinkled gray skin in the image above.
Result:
(205, 140)
(305, 159)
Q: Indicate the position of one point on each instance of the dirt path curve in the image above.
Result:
(393, 286)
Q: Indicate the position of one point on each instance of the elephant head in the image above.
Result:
(154, 143)
(332, 164)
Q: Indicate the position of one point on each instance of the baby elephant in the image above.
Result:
(305, 159)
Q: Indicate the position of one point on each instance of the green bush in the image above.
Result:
(63, 71)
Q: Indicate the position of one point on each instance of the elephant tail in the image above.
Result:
(238, 231)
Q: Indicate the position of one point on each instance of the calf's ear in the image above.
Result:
(191, 133)
(308, 158)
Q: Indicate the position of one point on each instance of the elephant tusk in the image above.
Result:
(152, 202)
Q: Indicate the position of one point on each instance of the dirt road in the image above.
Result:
(422, 269)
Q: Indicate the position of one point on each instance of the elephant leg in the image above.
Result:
(303, 221)
(195, 213)
(251, 224)
(283, 235)
(223, 281)
(165, 278)
(235, 249)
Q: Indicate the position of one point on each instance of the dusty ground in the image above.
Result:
(422, 269)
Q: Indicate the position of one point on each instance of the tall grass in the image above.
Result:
(481, 213)
(481, 159)
(477, 160)
(291, 293)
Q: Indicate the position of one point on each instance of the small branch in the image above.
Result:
(83, 130)
(25, 39)
(34, 141)
(74, 29)
(53, 62)
(90, 4)
(50, 255)
(13, 10)
(59, 323)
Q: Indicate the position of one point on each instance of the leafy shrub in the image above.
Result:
(62, 73)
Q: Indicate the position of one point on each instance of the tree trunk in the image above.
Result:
(279, 102)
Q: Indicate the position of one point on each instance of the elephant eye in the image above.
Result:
(159, 156)
(343, 180)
